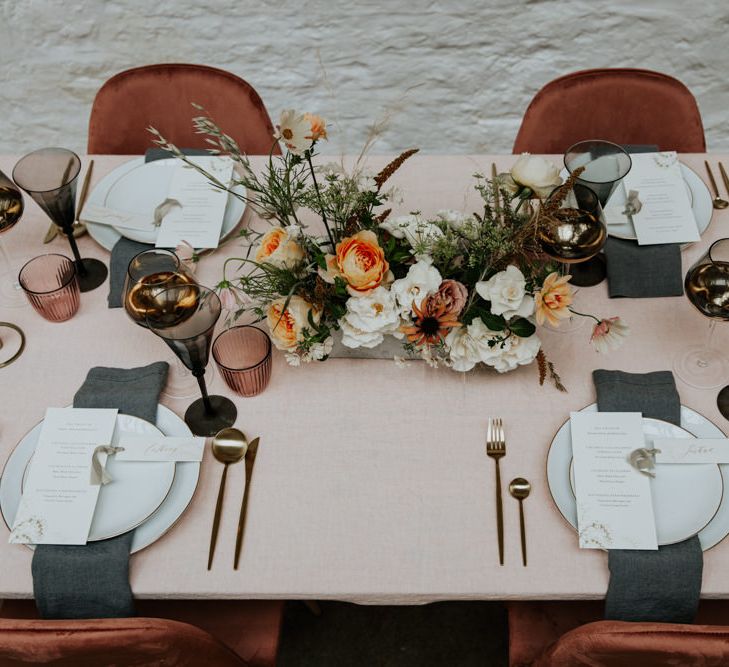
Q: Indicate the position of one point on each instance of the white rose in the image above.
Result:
(484, 340)
(507, 293)
(369, 318)
(422, 279)
(515, 351)
(463, 350)
(537, 173)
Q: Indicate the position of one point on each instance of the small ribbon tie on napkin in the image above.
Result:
(643, 460)
(633, 204)
(163, 209)
(98, 475)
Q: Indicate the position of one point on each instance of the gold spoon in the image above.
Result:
(717, 201)
(520, 488)
(229, 446)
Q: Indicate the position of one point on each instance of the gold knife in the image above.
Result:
(79, 227)
(249, 461)
(724, 177)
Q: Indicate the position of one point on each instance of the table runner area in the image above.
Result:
(372, 481)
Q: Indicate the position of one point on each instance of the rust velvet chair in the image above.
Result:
(570, 634)
(215, 633)
(162, 96)
(625, 106)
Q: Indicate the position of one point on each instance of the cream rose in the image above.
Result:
(537, 173)
(278, 247)
(507, 293)
(369, 318)
(286, 325)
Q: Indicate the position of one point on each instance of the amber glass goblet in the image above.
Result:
(184, 316)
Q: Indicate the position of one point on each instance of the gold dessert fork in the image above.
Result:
(496, 449)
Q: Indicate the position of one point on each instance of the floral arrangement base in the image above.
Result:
(389, 349)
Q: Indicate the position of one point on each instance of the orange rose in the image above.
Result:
(318, 127)
(360, 262)
(279, 249)
(553, 300)
(287, 324)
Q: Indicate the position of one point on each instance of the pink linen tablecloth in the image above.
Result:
(372, 483)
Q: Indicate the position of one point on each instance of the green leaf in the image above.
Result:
(340, 287)
(494, 322)
(522, 328)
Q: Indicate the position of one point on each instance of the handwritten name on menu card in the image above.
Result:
(614, 505)
(198, 219)
(666, 215)
(164, 448)
(690, 450)
(58, 500)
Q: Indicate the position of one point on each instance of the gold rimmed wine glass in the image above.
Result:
(574, 235)
(149, 272)
(707, 288)
(184, 316)
(11, 210)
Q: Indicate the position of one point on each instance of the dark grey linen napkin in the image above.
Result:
(664, 585)
(92, 580)
(125, 249)
(643, 271)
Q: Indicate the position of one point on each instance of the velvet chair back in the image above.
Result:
(625, 106)
(620, 644)
(162, 96)
(122, 642)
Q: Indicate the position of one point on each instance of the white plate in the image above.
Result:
(137, 488)
(699, 196)
(180, 493)
(139, 187)
(558, 478)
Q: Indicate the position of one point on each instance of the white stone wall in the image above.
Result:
(458, 74)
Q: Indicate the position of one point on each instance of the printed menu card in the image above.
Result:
(198, 217)
(665, 215)
(58, 500)
(614, 505)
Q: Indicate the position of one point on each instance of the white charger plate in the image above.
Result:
(699, 196)
(685, 484)
(137, 488)
(181, 492)
(139, 187)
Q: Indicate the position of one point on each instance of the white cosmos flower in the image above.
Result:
(294, 129)
(417, 232)
(422, 279)
(507, 293)
(454, 219)
(369, 318)
(396, 226)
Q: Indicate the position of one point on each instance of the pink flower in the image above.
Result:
(452, 296)
(228, 298)
(609, 334)
(187, 255)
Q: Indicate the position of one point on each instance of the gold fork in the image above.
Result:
(496, 448)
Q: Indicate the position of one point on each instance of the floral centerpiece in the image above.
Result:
(456, 289)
